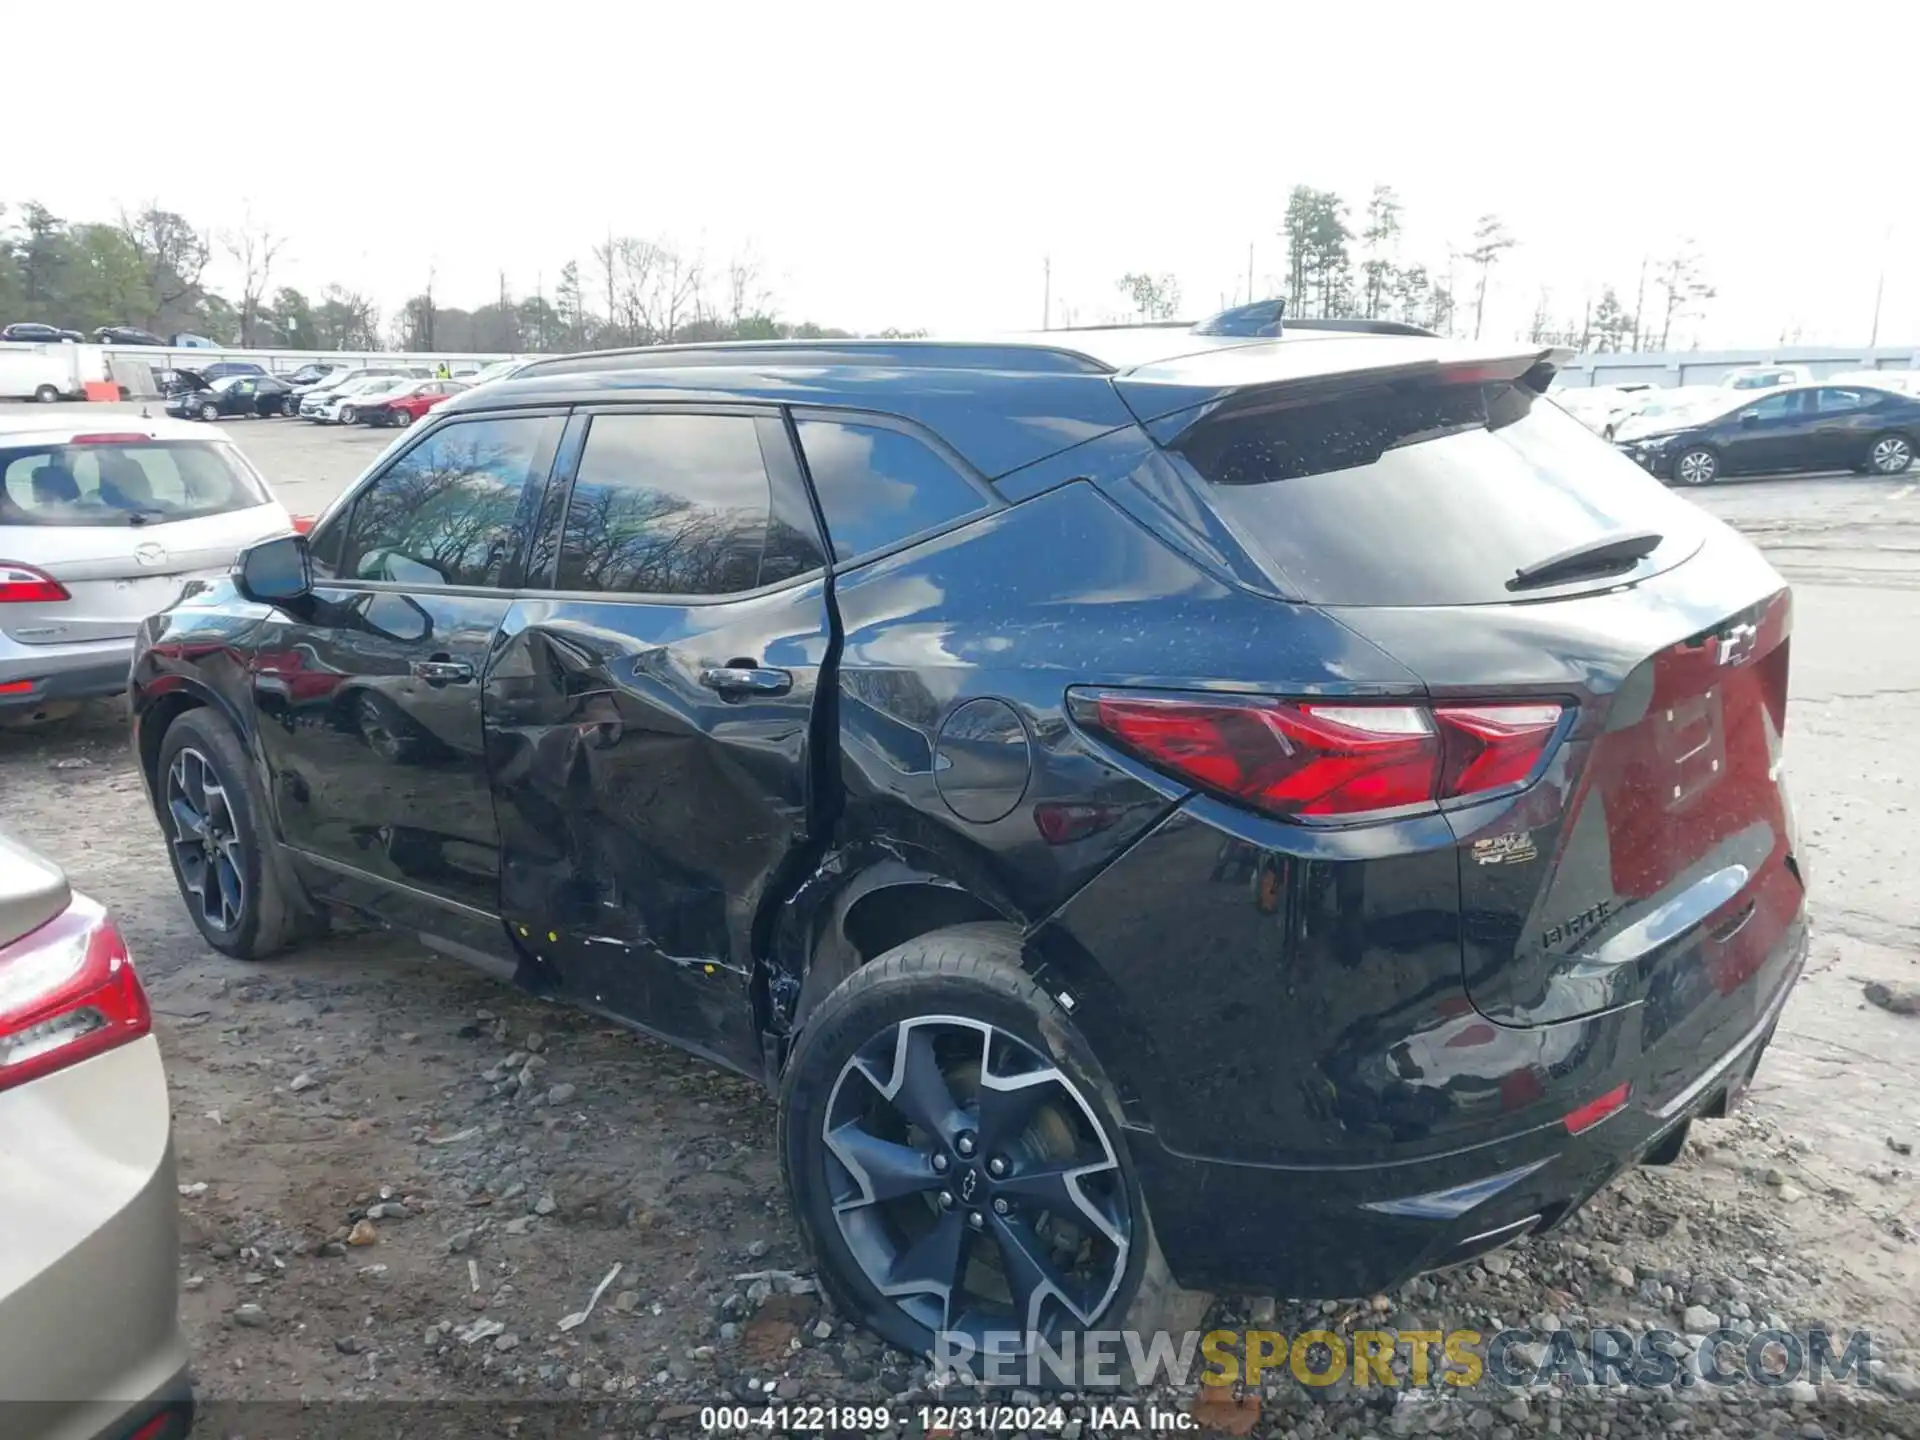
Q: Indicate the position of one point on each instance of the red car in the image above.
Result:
(408, 405)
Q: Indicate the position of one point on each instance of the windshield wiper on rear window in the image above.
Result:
(1597, 557)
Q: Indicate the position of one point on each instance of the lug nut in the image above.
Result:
(939, 1164)
(946, 1200)
(996, 1167)
(976, 1219)
(964, 1144)
(1001, 1207)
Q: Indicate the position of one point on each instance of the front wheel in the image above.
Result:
(209, 411)
(1698, 466)
(348, 415)
(954, 1156)
(1890, 455)
(208, 800)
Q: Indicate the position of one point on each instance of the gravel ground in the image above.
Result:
(401, 1180)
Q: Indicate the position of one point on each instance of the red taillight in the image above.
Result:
(22, 584)
(1323, 759)
(1594, 1111)
(67, 992)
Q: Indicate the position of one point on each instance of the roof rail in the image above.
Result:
(902, 354)
(1364, 327)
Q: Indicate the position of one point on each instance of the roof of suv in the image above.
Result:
(1001, 402)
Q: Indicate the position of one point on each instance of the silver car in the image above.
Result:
(89, 1206)
(101, 525)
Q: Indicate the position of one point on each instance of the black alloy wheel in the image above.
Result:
(208, 853)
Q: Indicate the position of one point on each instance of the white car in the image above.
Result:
(1766, 377)
(1664, 409)
(103, 522)
(1601, 408)
(339, 407)
(1901, 382)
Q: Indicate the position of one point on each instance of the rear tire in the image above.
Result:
(47, 394)
(231, 875)
(899, 1037)
(402, 419)
(1696, 465)
(1890, 454)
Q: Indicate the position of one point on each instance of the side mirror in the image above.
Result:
(275, 571)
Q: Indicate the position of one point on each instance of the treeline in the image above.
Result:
(150, 268)
(1345, 262)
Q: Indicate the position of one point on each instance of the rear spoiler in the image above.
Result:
(1171, 400)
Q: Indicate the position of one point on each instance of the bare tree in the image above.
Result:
(253, 249)
(173, 254)
(671, 298)
(1490, 241)
(1154, 297)
(1682, 280)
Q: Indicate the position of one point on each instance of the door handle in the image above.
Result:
(746, 680)
(440, 671)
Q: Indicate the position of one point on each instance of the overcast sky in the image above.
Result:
(913, 164)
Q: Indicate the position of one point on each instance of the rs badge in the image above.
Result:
(1514, 848)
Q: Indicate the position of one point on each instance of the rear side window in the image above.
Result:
(452, 509)
(1425, 495)
(122, 484)
(878, 486)
(681, 505)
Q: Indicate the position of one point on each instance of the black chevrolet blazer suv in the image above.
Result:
(1165, 810)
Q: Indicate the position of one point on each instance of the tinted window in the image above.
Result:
(877, 486)
(447, 512)
(679, 505)
(1773, 407)
(112, 484)
(1430, 495)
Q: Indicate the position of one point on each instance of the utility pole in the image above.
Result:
(1880, 286)
(1046, 292)
(1249, 272)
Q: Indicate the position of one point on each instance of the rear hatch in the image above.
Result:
(118, 523)
(1648, 855)
(32, 891)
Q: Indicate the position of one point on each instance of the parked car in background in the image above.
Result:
(1766, 377)
(29, 332)
(193, 342)
(404, 406)
(322, 390)
(1078, 834)
(498, 370)
(125, 335)
(347, 402)
(1601, 408)
(1661, 410)
(173, 382)
(45, 375)
(313, 372)
(1901, 382)
(89, 1189)
(103, 520)
(232, 395)
(222, 368)
(1799, 427)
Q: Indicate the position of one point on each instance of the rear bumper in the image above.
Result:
(89, 1274)
(1313, 1103)
(63, 672)
(1345, 1231)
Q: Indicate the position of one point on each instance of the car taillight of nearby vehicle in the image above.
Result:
(68, 992)
(1328, 760)
(24, 585)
